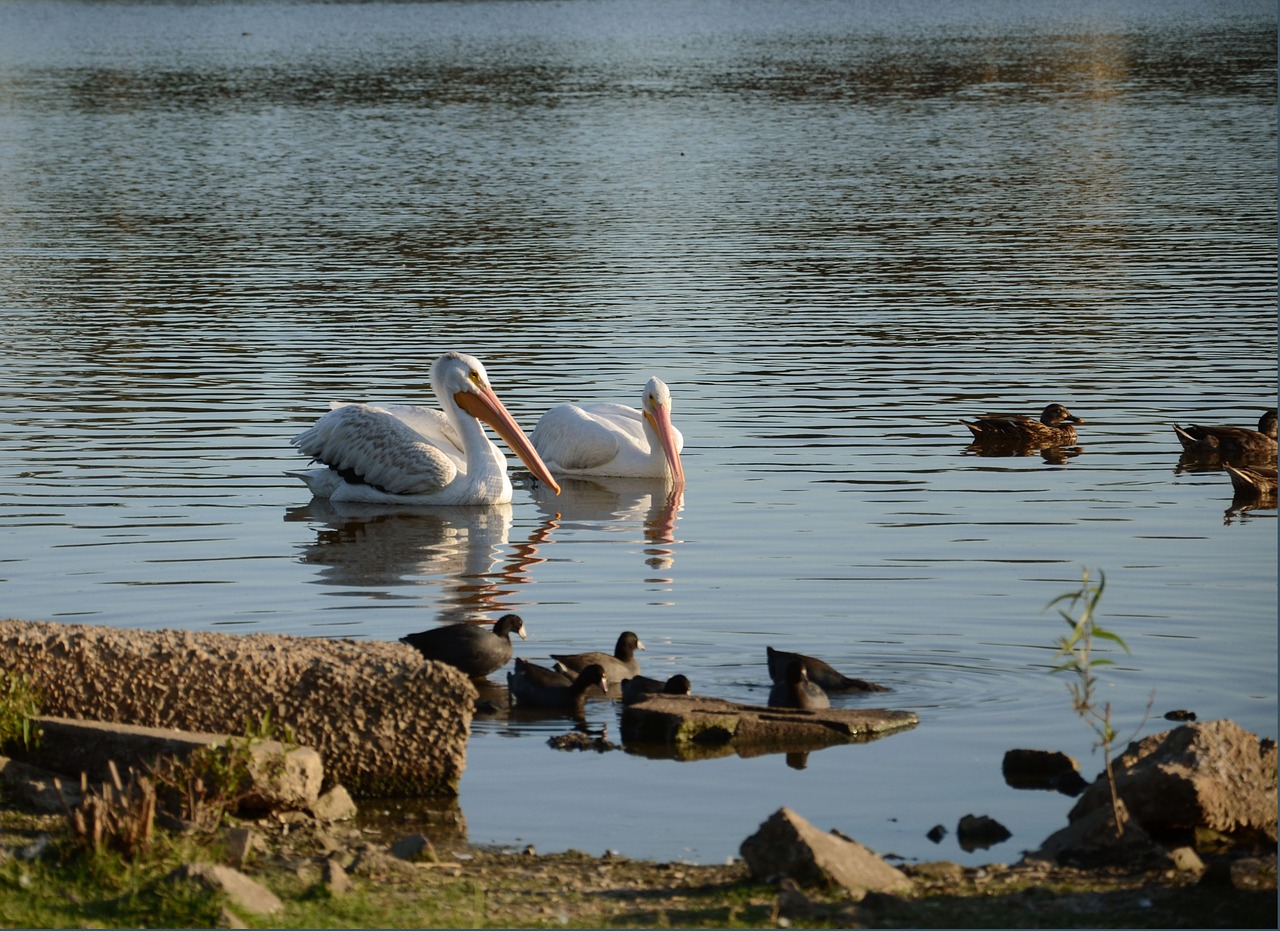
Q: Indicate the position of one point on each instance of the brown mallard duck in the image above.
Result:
(1234, 443)
(1253, 482)
(1054, 428)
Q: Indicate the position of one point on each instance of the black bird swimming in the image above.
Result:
(536, 686)
(621, 665)
(638, 688)
(796, 691)
(820, 673)
(475, 650)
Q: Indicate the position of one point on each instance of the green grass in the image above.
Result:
(19, 704)
(101, 891)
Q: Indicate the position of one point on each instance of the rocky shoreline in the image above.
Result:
(1196, 807)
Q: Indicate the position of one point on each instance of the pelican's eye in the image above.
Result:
(474, 377)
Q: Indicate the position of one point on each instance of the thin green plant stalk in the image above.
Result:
(1078, 648)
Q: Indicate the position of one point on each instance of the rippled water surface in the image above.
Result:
(834, 229)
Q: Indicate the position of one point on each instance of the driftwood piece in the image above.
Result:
(385, 721)
(694, 727)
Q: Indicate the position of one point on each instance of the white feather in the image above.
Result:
(607, 439)
(409, 455)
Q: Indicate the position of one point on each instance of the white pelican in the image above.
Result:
(613, 439)
(417, 455)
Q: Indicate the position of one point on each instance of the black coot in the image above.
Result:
(796, 691)
(475, 650)
(621, 665)
(638, 688)
(537, 686)
(820, 673)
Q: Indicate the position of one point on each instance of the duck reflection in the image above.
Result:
(1193, 462)
(618, 504)
(1052, 455)
(464, 550)
(1253, 482)
(1254, 490)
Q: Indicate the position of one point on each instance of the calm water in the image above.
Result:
(833, 228)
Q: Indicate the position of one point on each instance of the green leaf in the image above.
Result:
(1114, 638)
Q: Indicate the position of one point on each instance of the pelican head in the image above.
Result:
(657, 413)
(462, 379)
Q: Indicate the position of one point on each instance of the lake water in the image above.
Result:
(834, 229)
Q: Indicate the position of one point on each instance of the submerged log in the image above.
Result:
(385, 721)
(694, 727)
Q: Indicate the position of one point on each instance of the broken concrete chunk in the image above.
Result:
(386, 721)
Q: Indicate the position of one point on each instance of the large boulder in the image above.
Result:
(385, 721)
(1095, 840)
(1213, 775)
(788, 846)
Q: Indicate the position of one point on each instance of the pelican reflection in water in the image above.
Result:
(465, 552)
(612, 504)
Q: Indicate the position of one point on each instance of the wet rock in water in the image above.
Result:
(700, 727)
(789, 846)
(1213, 775)
(577, 740)
(1179, 715)
(1043, 769)
(980, 832)
(937, 833)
